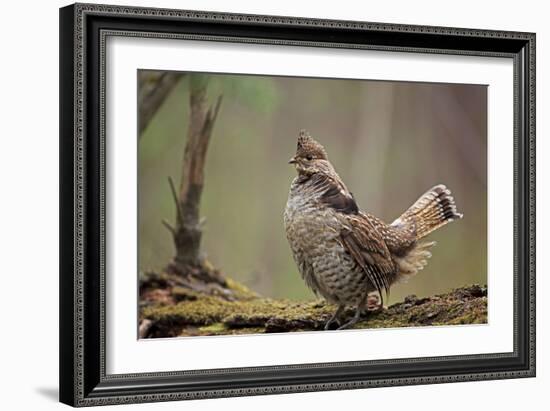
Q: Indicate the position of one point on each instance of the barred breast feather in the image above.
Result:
(338, 250)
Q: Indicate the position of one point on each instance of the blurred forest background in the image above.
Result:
(389, 141)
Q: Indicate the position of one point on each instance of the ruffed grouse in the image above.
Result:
(344, 254)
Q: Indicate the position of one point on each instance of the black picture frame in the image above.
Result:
(83, 29)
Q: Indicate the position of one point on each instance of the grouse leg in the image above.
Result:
(335, 317)
(357, 316)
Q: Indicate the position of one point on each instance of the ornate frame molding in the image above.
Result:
(84, 30)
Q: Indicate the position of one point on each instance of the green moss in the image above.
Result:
(216, 328)
(184, 294)
(207, 310)
(241, 291)
(199, 314)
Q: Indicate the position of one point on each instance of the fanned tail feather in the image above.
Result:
(432, 210)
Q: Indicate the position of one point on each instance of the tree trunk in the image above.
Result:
(153, 88)
(187, 231)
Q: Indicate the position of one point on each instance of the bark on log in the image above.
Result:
(189, 312)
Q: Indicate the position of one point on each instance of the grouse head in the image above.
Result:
(311, 157)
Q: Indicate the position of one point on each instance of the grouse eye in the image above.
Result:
(309, 158)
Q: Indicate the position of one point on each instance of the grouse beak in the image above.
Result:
(292, 160)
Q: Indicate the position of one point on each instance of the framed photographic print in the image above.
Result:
(261, 204)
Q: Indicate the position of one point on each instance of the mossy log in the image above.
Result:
(171, 310)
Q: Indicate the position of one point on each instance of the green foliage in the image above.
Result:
(198, 81)
(258, 94)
